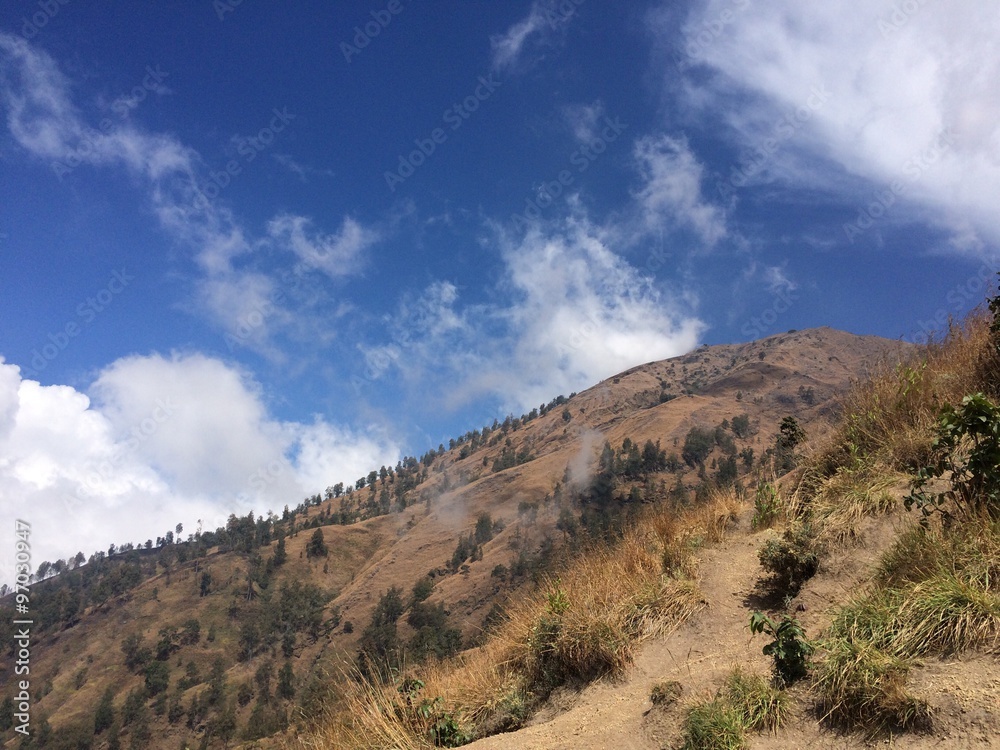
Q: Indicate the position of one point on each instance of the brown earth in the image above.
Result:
(964, 693)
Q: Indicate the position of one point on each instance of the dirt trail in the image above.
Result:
(964, 693)
(613, 714)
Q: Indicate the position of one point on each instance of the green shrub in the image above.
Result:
(788, 647)
(966, 448)
(790, 560)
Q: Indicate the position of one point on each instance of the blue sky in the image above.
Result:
(248, 251)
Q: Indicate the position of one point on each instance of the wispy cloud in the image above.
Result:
(671, 194)
(44, 121)
(896, 87)
(336, 255)
(507, 47)
(302, 171)
(584, 120)
(544, 21)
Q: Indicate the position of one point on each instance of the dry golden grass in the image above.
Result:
(935, 590)
(844, 500)
(889, 417)
(584, 624)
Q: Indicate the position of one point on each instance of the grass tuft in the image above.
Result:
(862, 686)
(747, 702)
(714, 725)
(760, 705)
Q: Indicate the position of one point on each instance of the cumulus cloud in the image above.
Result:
(158, 440)
(578, 313)
(912, 102)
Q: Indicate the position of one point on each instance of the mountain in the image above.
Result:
(190, 638)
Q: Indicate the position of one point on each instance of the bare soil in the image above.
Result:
(964, 692)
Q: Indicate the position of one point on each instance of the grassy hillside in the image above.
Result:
(889, 529)
(559, 540)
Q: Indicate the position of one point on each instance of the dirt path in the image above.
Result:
(698, 655)
(964, 693)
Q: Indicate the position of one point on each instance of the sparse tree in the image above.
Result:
(316, 546)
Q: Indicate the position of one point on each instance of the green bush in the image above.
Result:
(788, 647)
(790, 560)
(966, 448)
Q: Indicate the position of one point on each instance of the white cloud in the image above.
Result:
(165, 440)
(778, 281)
(336, 255)
(507, 47)
(912, 93)
(44, 121)
(583, 313)
(577, 314)
(583, 120)
(544, 22)
(671, 194)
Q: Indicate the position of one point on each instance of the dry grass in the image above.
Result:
(889, 417)
(861, 686)
(584, 624)
(760, 705)
(935, 592)
(845, 499)
(747, 702)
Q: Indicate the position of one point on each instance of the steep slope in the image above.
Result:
(798, 373)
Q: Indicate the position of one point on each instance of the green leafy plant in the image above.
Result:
(967, 449)
(789, 648)
(445, 730)
(766, 506)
